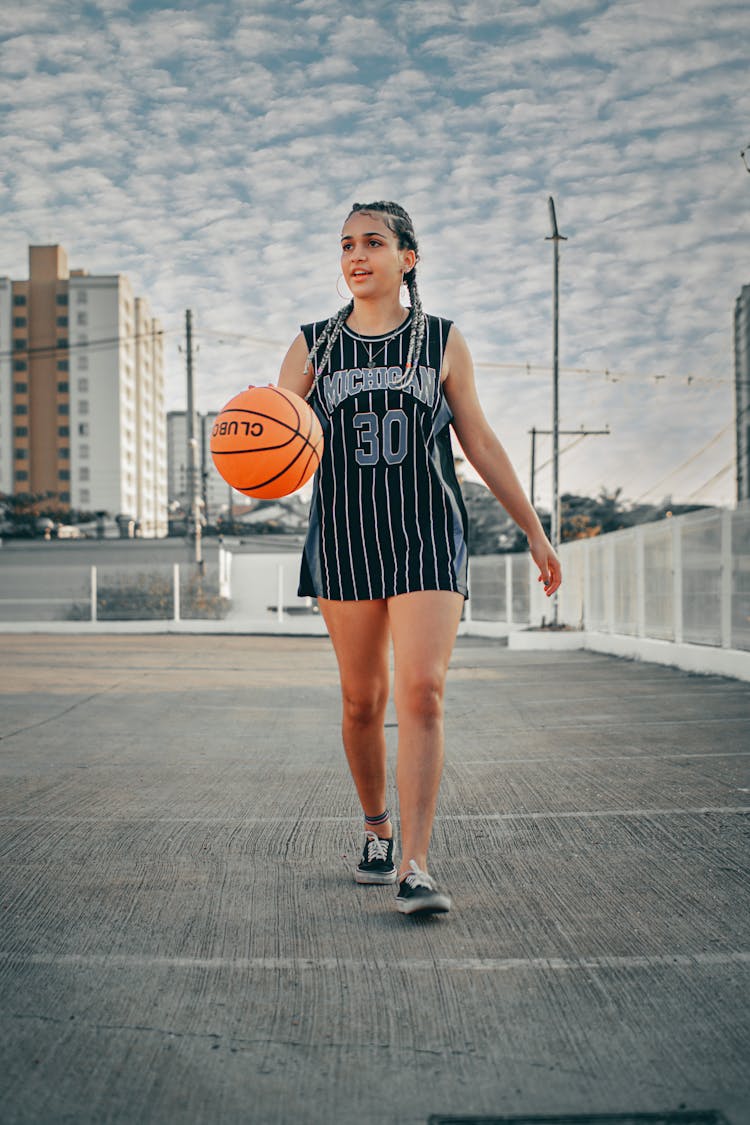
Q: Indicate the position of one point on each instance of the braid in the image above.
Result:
(327, 338)
(400, 223)
(417, 323)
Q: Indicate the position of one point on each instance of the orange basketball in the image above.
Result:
(266, 442)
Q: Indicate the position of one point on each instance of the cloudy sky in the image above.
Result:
(210, 151)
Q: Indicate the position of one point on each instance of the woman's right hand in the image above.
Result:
(543, 554)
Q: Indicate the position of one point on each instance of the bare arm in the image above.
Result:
(296, 373)
(486, 453)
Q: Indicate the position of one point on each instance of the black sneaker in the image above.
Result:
(376, 864)
(417, 894)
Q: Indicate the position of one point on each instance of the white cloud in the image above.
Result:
(211, 154)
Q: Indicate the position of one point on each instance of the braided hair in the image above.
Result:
(398, 221)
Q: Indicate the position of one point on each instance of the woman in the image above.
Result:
(386, 551)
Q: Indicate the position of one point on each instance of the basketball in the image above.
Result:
(266, 442)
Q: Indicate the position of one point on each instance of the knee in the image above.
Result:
(421, 697)
(364, 707)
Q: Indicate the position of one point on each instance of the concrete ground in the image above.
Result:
(182, 940)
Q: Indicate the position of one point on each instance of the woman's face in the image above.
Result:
(372, 263)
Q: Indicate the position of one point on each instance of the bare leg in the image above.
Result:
(360, 635)
(424, 626)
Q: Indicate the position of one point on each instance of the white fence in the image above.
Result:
(74, 593)
(684, 580)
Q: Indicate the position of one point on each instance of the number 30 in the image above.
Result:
(391, 437)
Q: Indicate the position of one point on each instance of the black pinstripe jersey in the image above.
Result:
(387, 516)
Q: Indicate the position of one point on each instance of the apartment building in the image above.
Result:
(82, 411)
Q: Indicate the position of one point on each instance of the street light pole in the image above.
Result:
(555, 238)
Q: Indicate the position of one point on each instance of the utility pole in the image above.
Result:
(533, 432)
(555, 238)
(204, 467)
(192, 446)
(568, 433)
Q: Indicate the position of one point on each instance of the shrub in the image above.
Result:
(149, 597)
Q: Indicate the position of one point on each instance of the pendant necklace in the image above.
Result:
(381, 351)
(372, 357)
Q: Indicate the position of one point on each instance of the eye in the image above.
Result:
(375, 242)
(346, 245)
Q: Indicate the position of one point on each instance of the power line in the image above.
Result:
(53, 349)
(50, 350)
(684, 465)
(521, 365)
(614, 376)
(712, 480)
(572, 445)
(226, 336)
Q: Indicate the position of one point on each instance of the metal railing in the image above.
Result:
(168, 592)
(682, 579)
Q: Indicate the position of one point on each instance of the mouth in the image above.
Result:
(357, 274)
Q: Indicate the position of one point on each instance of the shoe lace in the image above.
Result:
(376, 848)
(419, 878)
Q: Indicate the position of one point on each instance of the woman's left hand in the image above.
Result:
(545, 558)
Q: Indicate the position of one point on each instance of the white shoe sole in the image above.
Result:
(373, 878)
(435, 904)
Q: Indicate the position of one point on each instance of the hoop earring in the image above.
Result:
(343, 296)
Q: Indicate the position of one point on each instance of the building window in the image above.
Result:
(21, 474)
(63, 474)
(62, 388)
(63, 431)
(83, 407)
(64, 453)
(19, 322)
(62, 322)
(82, 318)
(22, 455)
(83, 473)
(85, 496)
(83, 429)
(21, 408)
(82, 297)
(20, 365)
(61, 298)
(19, 299)
(64, 497)
(62, 342)
(83, 384)
(62, 365)
(19, 345)
(21, 431)
(83, 363)
(63, 408)
(21, 388)
(83, 452)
